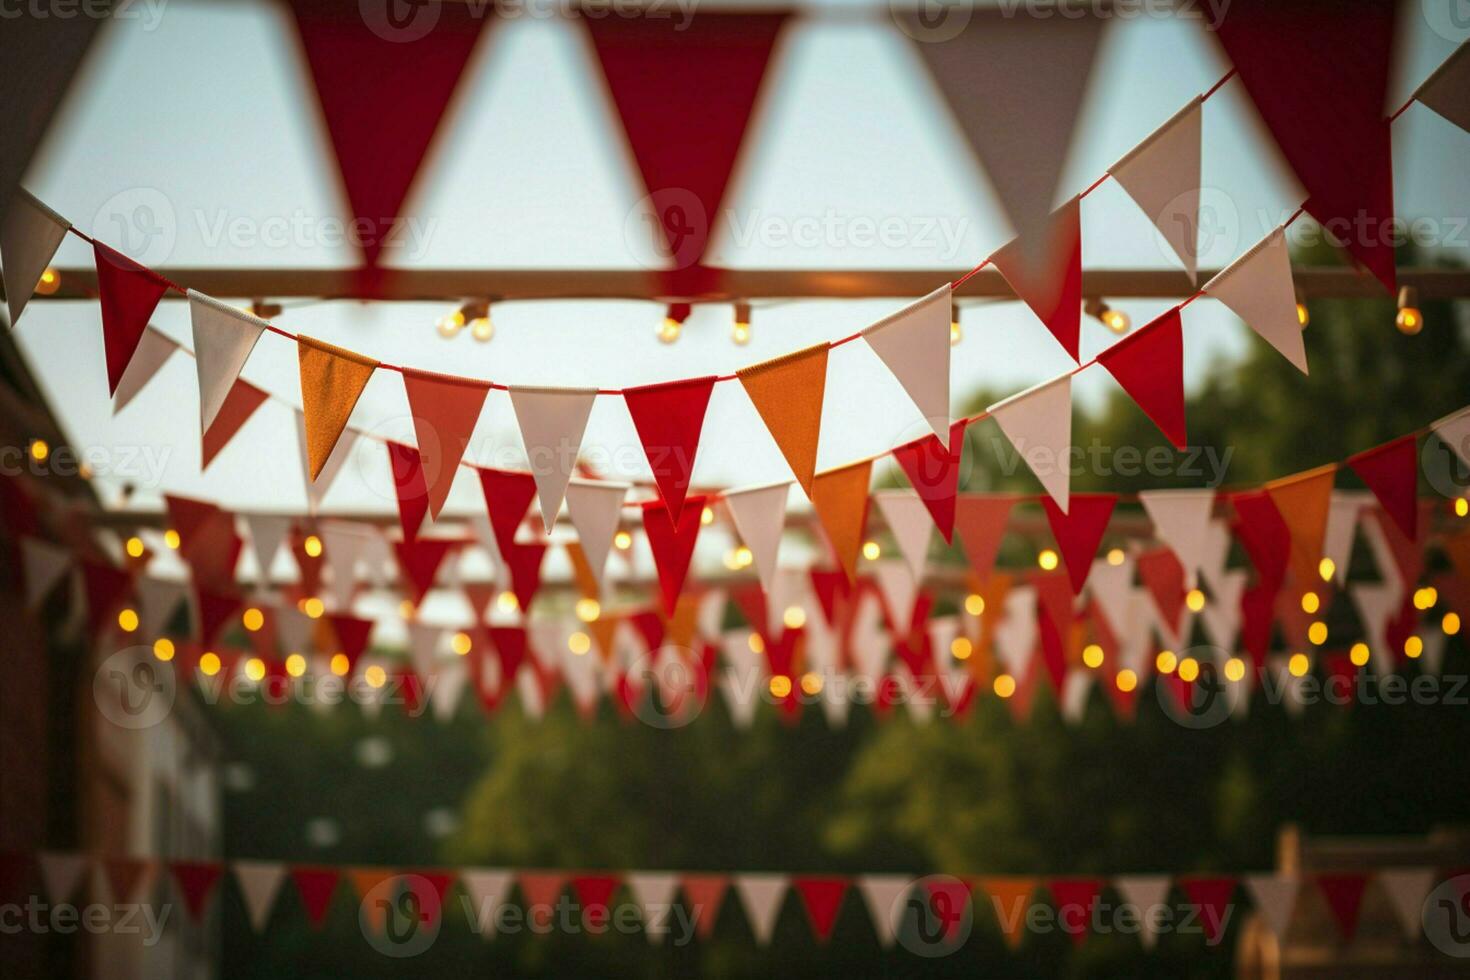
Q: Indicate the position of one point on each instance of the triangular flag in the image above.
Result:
(1212, 896)
(223, 340)
(1079, 531)
(1010, 900)
(1444, 91)
(1038, 423)
(1454, 430)
(1162, 175)
(352, 636)
(822, 899)
(1181, 520)
(384, 85)
(1303, 500)
(1163, 576)
(445, 409)
(267, 534)
(1274, 897)
(486, 889)
(1344, 894)
(1318, 74)
(1047, 274)
(316, 887)
(552, 421)
(909, 522)
(981, 520)
(241, 402)
(316, 490)
(524, 563)
(653, 891)
(409, 487)
(915, 345)
(594, 891)
(760, 517)
(899, 590)
(129, 294)
(508, 496)
(760, 896)
(159, 599)
(538, 889)
(885, 896)
(332, 380)
(1392, 473)
(672, 545)
(933, 470)
(1145, 893)
(42, 566)
(1407, 888)
(196, 880)
(1264, 535)
(1075, 893)
(596, 510)
(1149, 364)
(125, 877)
(787, 392)
(62, 874)
(154, 349)
(704, 894)
(29, 236)
(419, 560)
(669, 418)
(1257, 287)
(840, 498)
(259, 883)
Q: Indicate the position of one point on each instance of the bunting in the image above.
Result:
(759, 514)
(596, 510)
(1149, 364)
(30, 234)
(332, 379)
(445, 409)
(1047, 276)
(552, 421)
(153, 351)
(669, 418)
(1038, 423)
(914, 344)
(933, 470)
(787, 392)
(672, 542)
(1391, 471)
(128, 294)
(1162, 175)
(840, 498)
(1257, 287)
(239, 405)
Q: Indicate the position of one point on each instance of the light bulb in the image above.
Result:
(669, 330)
(49, 282)
(955, 333)
(482, 328)
(1116, 320)
(1409, 321)
(450, 323)
(1302, 316)
(740, 333)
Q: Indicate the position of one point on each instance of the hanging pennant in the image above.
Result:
(239, 405)
(332, 379)
(1075, 893)
(419, 561)
(129, 294)
(267, 534)
(1162, 175)
(316, 489)
(1258, 288)
(1344, 895)
(1303, 501)
(822, 899)
(653, 892)
(596, 511)
(912, 528)
(1444, 91)
(552, 421)
(760, 518)
(1163, 576)
(933, 470)
(884, 896)
(445, 410)
(409, 487)
(1392, 473)
(1212, 896)
(259, 883)
(1149, 364)
(1047, 274)
(1038, 423)
(840, 498)
(760, 896)
(29, 237)
(1274, 898)
(1146, 894)
(352, 635)
(524, 563)
(915, 345)
(223, 340)
(1181, 519)
(195, 881)
(787, 392)
(1407, 889)
(508, 496)
(43, 565)
(707, 892)
(1264, 534)
(1010, 899)
(316, 887)
(672, 544)
(154, 349)
(981, 520)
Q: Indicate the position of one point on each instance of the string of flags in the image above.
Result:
(1208, 904)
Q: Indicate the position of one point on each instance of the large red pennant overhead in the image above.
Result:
(508, 496)
(669, 418)
(685, 92)
(934, 473)
(384, 85)
(1079, 531)
(1318, 73)
(1149, 364)
(128, 293)
(672, 544)
(1392, 473)
(408, 482)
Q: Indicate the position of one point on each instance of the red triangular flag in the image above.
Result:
(982, 520)
(508, 496)
(669, 418)
(128, 293)
(1344, 894)
(241, 402)
(196, 881)
(672, 545)
(524, 562)
(1048, 277)
(1163, 576)
(1212, 895)
(510, 651)
(352, 636)
(1264, 534)
(384, 84)
(540, 889)
(445, 410)
(215, 612)
(105, 587)
(1149, 364)
(124, 875)
(1079, 531)
(408, 484)
(595, 891)
(315, 886)
(934, 473)
(1075, 893)
(822, 898)
(705, 894)
(419, 562)
(1392, 473)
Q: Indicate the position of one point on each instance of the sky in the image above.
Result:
(202, 125)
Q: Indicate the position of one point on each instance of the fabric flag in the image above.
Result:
(1407, 888)
(383, 87)
(332, 379)
(1010, 898)
(1265, 536)
(672, 544)
(154, 349)
(316, 489)
(223, 340)
(62, 874)
(30, 234)
(259, 882)
(1163, 576)
(1181, 519)
(419, 561)
(1303, 501)
(704, 894)
(1149, 364)
(1038, 423)
(42, 565)
(1274, 897)
(914, 344)
(1075, 893)
(445, 410)
(653, 891)
(1318, 74)
(552, 421)
(787, 392)
(1342, 524)
(409, 487)
(1212, 896)
(840, 498)
(669, 418)
(822, 899)
(1079, 531)
(1048, 277)
(125, 877)
(195, 881)
(1454, 430)
(909, 522)
(1162, 175)
(267, 534)
(1344, 895)
(933, 470)
(1392, 473)
(1444, 91)
(596, 510)
(1144, 893)
(316, 887)
(105, 588)
(352, 635)
(981, 520)
(1257, 287)
(159, 599)
(239, 405)
(508, 496)
(128, 294)
(213, 612)
(760, 517)
(524, 563)
(685, 92)
(760, 897)
(884, 895)
(899, 591)
(487, 889)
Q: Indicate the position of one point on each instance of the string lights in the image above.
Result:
(1409, 319)
(740, 330)
(475, 314)
(673, 324)
(1302, 316)
(1115, 320)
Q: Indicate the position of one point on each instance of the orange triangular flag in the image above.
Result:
(787, 391)
(840, 498)
(1010, 899)
(332, 378)
(364, 880)
(1303, 501)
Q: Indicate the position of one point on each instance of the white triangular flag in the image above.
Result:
(761, 895)
(739, 698)
(885, 896)
(159, 599)
(1016, 633)
(1181, 520)
(1447, 91)
(908, 518)
(293, 628)
(1221, 615)
(653, 891)
(345, 544)
(899, 590)
(43, 565)
(317, 489)
(1162, 174)
(1216, 550)
(486, 889)
(1110, 586)
(62, 874)
(1407, 888)
(552, 421)
(153, 350)
(596, 510)
(1383, 555)
(1376, 602)
(29, 238)
(1259, 289)
(449, 685)
(1454, 430)
(1274, 897)
(915, 344)
(1145, 893)
(760, 517)
(223, 339)
(423, 647)
(267, 533)
(259, 883)
(1038, 422)
(1342, 524)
